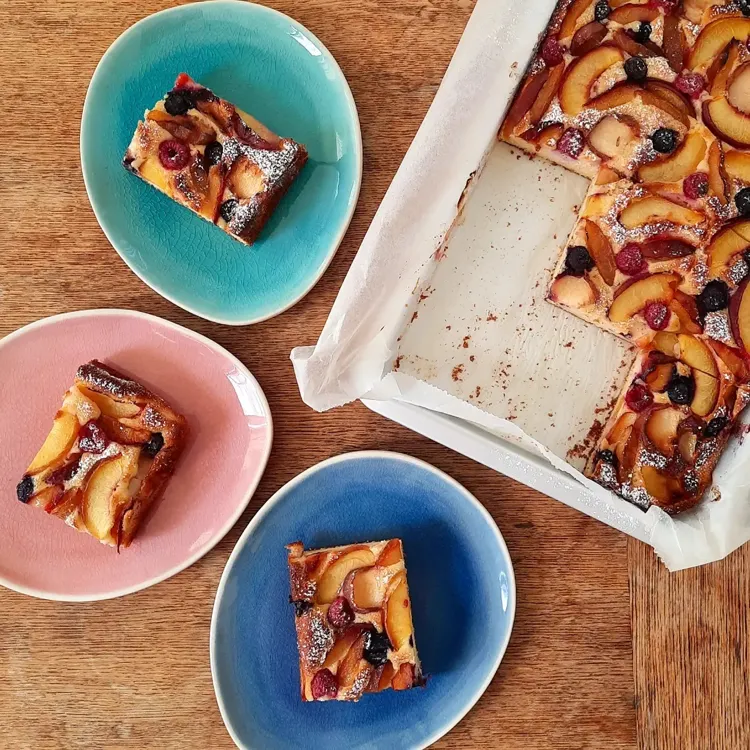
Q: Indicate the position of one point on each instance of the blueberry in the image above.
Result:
(376, 648)
(742, 199)
(25, 489)
(715, 296)
(715, 426)
(228, 208)
(636, 69)
(578, 260)
(213, 153)
(601, 10)
(681, 389)
(745, 7)
(300, 606)
(178, 102)
(665, 141)
(644, 32)
(154, 445)
(607, 457)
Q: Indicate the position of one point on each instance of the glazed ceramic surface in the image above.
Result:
(229, 443)
(460, 581)
(275, 69)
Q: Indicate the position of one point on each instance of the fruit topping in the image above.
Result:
(726, 122)
(611, 136)
(657, 315)
(525, 100)
(552, 52)
(571, 143)
(154, 444)
(586, 38)
(661, 429)
(578, 260)
(658, 379)
(742, 201)
(681, 163)
(572, 291)
(643, 33)
(58, 442)
(687, 443)
(178, 102)
(706, 394)
(715, 36)
(301, 606)
(681, 389)
(574, 11)
(324, 685)
(695, 185)
(25, 489)
(601, 252)
(601, 10)
(365, 588)
(340, 613)
(581, 75)
(694, 352)
(173, 154)
(664, 140)
(97, 506)
(733, 359)
(607, 457)
(391, 554)
(690, 84)
(651, 209)
(376, 647)
(404, 678)
(714, 297)
(673, 43)
(331, 581)
(398, 612)
(213, 153)
(658, 485)
(638, 397)
(65, 472)
(636, 69)
(666, 249)
(633, 297)
(228, 208)
(630, 259)
(716, 425)
(92, 438)
(354, 669)
(726, 245)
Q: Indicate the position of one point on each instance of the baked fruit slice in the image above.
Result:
(108, 458)
(353, 619)
(212, 157)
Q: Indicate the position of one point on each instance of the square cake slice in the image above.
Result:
(112, 448)
(212, 157)
(353, 620)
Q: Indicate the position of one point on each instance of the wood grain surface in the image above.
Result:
(609, 650)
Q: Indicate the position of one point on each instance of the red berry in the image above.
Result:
(340, 613)
(630, 259)
(92, 439)
(695, 185)
(657, 315)
(571, 143)
(552, 51)
(638, 397)
(667, 5)
(64, 473)
(690, 84)
(173, 154)
(324, 685)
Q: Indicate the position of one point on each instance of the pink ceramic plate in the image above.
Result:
(230, 440)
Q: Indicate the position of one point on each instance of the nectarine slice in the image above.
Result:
(667, 343)
(152, 171)
(601, 251)
(658, 379)
(574, 12)
(398, 612)
(715, 37)
(572, 291)
(580, 76)
(656, 484)
(658, 287)
(738, 91)
(391, 554)
(695, 353)
(546, 94)
(670, 94)
(610, 136)
(727, 123)
(653, 209)
(98, 513)
(727, 243)
(331, 581)
(718, 184)
(737, 165)
(617, 96)
(343, 644)
(57, 444)
(631, 12)
(679, 164)
(733, 359)
(587, 37)
(110, 407)
(661, 428)
(706, 393)
(622, 427)
(686, 444)
(365, 588)
(524, 101)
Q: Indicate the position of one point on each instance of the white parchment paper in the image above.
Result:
(444, 305)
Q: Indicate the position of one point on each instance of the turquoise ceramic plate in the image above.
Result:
(270, 66)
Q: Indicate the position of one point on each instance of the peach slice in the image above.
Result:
(587, 37)
(398, 612)
(404, 678)
(153, 172)
(737, 165)
(696, 354)
(738, 91)
(658, 287)
(597, 205)
(391, 554)
(386, 676)
(706, 393)
(657, 484)
(246, 179)
(574, 12)
(524, 101)
(572, 291)
(668, 93)
(666, 249)
(57, 444)
(672, 43)
(353, 667)
(110, 407)
(121, 433)
(98, 510)
(610, 136)
(653, 209)
(679, 164)
(732, 358)
(686, 444)
(626, 42)
(631, 12)
(718, 183)
(661, 428)
(683, 312)
(605, 176)
(660, 101)
(667, 343)
(622, 427)
(365, 588)
(79, 404)
(601, 251)
(715, 37)
(727, 243)
(694, 9)
(580, 76)
(739, 316)
(727, 123)
(546, 94)
(627, 451)
(343, 644)
(617, 96)
(658, 379)
(331, 581)
(724, 65)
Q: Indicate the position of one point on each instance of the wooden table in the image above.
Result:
(609, 650)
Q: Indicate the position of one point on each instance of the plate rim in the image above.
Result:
(278, 495)
(352, 200)
(224, 530)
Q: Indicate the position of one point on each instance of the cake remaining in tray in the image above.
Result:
(108, 458)
(652, 102)
(353, 620)
(212, 157)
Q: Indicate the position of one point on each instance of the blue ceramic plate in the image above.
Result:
(463, 602)
(275, 69)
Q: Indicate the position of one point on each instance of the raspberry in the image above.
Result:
(552, 52)
(571, 143)
(690, 84)
(657, 315)
(695, 185)
(324, 685)
(630, 259)
(173, 154)
(92, 438)
(340, 613)
(638, 397)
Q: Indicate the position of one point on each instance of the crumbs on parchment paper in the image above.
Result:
(465, 343)
(397, 363)
(457, 372)
(491, 317)
(582, 449)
